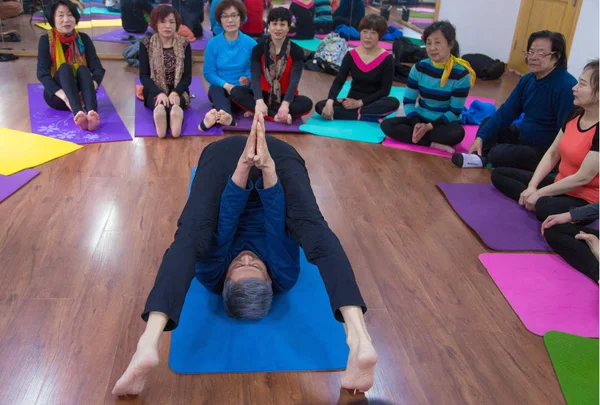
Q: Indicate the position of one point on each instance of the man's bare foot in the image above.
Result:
(440, 146)
(144, 360)
(176, 121)
(360, 370)
(93, 120)
(160, 120)
(248, 114)
(81, 120)
(224, 118)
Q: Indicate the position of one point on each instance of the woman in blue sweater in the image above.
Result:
(441, 83)
(546, 98)
(226, 62)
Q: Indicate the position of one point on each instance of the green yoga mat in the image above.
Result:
(416, 41)
(575, 360)
(351, 130)
(99, 10)
(421, 15)
(308, 44)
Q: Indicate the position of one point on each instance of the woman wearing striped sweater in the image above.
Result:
(435, 94)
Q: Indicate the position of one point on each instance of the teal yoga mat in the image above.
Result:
(298, 334)
(351, 130)
(308, 44)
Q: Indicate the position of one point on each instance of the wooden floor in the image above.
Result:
(81, 244)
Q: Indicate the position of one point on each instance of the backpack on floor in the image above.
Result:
(485, 67)
(330, 53)
(406, 51)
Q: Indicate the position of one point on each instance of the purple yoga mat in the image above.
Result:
(500, 222)
(120, 35)
(200, 105)
(59, 124)
(10, 184)
(245, 124)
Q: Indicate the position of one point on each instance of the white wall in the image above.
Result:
(483, 26)
(585, 43)
(488, 26)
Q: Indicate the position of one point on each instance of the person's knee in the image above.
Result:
(544, 207)
(499, 176)
(497, 156)
(237, 93)
(394, 103)
(387, 126)
(319, 106)
(456, 135)
(65, 68)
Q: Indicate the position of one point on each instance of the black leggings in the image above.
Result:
(506, 150)
(371, 112)
(575, 252)
(401, 129)
(72, 85)
(512, 182)
(244, 98)
(150, 102)
(304, 221)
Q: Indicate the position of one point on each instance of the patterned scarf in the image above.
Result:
(448, 69)
(75, 52)
(157, 63)
(274, 67)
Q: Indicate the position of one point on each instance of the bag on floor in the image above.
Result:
(391, 34)
(485, 67)
(132, 52)
(346, 32)
(330, 53)
(407, 52)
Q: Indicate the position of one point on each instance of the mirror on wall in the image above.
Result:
(22, 21)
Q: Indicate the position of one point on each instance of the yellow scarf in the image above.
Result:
(448, 69)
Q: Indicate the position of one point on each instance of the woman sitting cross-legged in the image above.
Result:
(226, 63)
(166, 71)
(575, 147)
(372, 70)
(68, 66)
(441, 83)
(276, 66)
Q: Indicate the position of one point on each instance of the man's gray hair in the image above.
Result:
(248, 298)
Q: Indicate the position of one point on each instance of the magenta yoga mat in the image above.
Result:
(59, 124)
(199, 106)
(10, 184)
(545, 292)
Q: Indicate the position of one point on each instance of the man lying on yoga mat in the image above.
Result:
(251, 205)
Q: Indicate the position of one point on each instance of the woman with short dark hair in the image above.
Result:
(441, 83)
(68, 66)
(166, 71)
(372, 70)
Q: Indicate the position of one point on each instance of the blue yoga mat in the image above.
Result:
(351, 130)
(299, 333)
(308, 44)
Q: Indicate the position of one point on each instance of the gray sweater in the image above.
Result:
(585, 213)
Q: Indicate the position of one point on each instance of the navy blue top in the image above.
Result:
(546, 102)
(257, 226)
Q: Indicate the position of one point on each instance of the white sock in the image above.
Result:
(471, 160)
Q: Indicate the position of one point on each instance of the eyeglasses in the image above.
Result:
(232, 16)
(539, 54)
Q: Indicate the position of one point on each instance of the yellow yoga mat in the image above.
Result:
(23, 150)
(88, 24)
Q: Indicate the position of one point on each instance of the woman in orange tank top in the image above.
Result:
(575, 148)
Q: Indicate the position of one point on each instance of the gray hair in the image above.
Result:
(247, 298)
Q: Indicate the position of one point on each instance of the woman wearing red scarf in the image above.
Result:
(69, 67)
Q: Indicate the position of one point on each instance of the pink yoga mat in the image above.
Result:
(545, 292)
(470, 134)
(10, 184)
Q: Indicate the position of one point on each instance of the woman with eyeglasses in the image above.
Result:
(546, 98)
(226, 62)
(574, 150)
(68, 66)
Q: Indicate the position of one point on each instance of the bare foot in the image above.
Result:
(360, 370)
(224, 118)
(176, 121)
(442, 147)
(248, 114)
(144, 360)
(93, 120)
(81, 120)
(288, 119)
(210, 119)
(160, 120)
